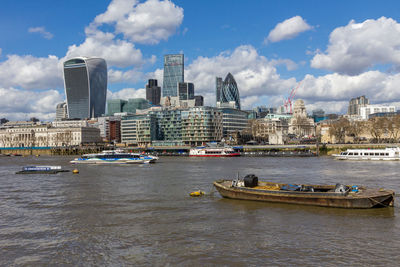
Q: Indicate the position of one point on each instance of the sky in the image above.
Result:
(331, 51)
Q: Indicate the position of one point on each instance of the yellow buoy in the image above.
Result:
(196, 194)
(75, 171)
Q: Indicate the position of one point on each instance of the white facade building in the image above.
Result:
(46, 136)
(371, 109)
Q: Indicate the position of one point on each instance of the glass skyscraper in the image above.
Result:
(230, 91)
(85, 81)
(218, 88)
(186, 91)
(173, 74)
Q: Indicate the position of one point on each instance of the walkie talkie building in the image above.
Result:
(173, 74)
(85, 81)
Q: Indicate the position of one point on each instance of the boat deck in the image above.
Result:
(320, 195)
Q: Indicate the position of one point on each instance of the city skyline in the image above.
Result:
(337, 50)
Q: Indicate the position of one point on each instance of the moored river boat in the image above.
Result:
(41, 170)
(338, 196)
(389, 153)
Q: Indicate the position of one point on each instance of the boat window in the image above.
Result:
(376, 154)
(387, 154)
(351, 154)
(355, 153)
(382, 154)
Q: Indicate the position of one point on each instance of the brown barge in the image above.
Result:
(338, 196)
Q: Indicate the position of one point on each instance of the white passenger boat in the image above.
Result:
(213, 152)
(115, 156)
(389, 153)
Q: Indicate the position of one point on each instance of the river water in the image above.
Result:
(142, 215)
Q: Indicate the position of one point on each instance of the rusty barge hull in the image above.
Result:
(367, 198)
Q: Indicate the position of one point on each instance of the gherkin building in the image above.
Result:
(230, 91)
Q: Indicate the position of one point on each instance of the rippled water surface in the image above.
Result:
(143, 215)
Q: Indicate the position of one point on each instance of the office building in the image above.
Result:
(233, 120)
(135, 103)
(173, 74)
(61, 111)
(115, 106)
(186, 91)
(85, 81)
(198, 100)
(356, 103)
(230, 91)
(153, 92)
(218, 88)
(138, 129)
(372, 109)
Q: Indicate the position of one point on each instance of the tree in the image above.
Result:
(355, 129)
(3, 120)
(378, 126)
(338, 129)
(34, 119)
(394, 128)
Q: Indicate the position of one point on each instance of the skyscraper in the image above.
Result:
(186, 91)
(218, 88)
(230, 91)
(173, 74)
(153, 92)
(85, 81)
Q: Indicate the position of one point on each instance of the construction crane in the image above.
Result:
(288, 101)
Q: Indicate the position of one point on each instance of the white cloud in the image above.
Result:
(289, 64)
(119, 53)
(23, 104)
(42, 31)
(288, 29)
(132, 76)
(356, 47)
(127, 93)
(254, 74)
(332, 92)
(147, 23)
(30, 72)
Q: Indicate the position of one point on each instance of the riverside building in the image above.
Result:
(48, 136)
(173, 74)
(233, 120)
(201, 125)
(85, 81)
(138, 130)
(191, 126)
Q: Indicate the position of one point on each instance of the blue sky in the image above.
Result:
(336, 49)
